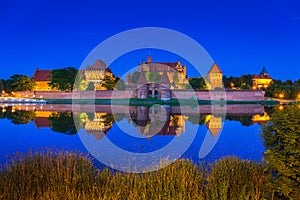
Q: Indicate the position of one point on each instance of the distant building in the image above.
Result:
(170, 76)
(155, 79)
(261, 118)
(157, 121)
(214, 77)
(100, 125)
(97, 73)
(175, 71)
(41, 119)
(94, 74)
(42, 78)
(214, 124)
(261, 80)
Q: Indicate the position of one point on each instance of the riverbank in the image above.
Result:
(65, 175)
(203, 95)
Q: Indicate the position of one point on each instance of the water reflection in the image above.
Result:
(150, 121)
(147, 129)
(98, 124)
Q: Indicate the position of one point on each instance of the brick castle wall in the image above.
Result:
(234, 109)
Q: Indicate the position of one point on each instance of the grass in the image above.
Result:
(66, 175)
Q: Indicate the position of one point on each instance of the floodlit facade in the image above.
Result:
(261, 80)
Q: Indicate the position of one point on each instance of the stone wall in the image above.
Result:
(229, 95)
(245, 109)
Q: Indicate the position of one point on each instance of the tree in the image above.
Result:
(246, 81)
(83, 85)
(278, 88)
(197, 119)
(90, 86)
(21, 83)
(63, 123)
(288, 82)
(282, 141)
(226, 81)
(120, 85)
(109, 82)
(297, 83)
(8, 85)
(2, 85)
(135, 77)
(198, 83)
(153, 77)
(244, 120)
(20, 116)
(63, 79)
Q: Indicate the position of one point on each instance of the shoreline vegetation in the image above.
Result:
(52, 174)
(68, 175)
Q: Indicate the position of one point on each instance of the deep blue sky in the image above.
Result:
(241, 36)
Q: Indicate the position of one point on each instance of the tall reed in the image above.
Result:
(65, 175)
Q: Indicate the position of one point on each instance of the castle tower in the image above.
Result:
(262, 80)
(142, 86)
(164, 86)
(264, 71)
(215, 77)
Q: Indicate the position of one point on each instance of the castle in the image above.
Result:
(158, 79)
(97, 73)
(261, 80)
(94, 74)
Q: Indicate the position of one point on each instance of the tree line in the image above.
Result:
(242, 82)
(286, 90)
(17, 82)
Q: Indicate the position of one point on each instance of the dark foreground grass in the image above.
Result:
(57, 175)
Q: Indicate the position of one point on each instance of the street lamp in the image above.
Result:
(281, 95)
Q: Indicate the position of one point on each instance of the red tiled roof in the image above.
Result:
(265, 76)
(142, 79)
(213, 131)
(215, 69)
(164, 79)
(41, 122)
(169, 64)
(42, 75)
(98, 134)
(98, 65)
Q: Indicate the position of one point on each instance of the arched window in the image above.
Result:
(155, 93)
(150, 94)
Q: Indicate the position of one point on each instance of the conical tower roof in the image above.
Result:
(142, 79)
(215, 69)
(264, 70)
(165, 79)
(98, 65)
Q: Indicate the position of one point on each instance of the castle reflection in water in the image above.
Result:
(149, 121)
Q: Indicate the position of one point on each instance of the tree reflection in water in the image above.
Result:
(17, 116)
(63, 123)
